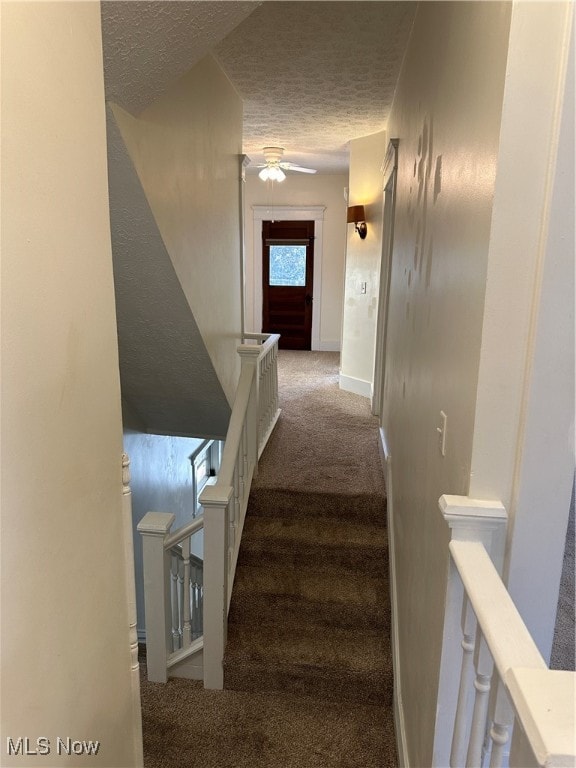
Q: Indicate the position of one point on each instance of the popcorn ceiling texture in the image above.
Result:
(149, 45)
(313, 75)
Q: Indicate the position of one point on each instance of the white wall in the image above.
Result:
(446, 115)
(301, 190)
(186, 149)
(65, 640)
(363, 265)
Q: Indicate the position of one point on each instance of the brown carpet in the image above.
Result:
(564, 645)
(308, 673)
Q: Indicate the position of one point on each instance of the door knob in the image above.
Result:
(308, 299)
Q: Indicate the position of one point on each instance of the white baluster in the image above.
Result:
(245, 450)
(269, 399)
(266, 402)
(242, 467)
(180, 601)
(502, 722)
(234, 543)
(197, 619)
(174, 598)
(187, 625)
(200, 602)
(194, 602)
(484, 668)
(275, 379)
(460, 736)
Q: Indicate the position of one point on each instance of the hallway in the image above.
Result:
(304, 697)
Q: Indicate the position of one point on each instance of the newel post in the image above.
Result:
(250, 357)
(216, 503)
(468, 520)
(154, 528)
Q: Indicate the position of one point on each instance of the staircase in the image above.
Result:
(309, 612)
(307, 665)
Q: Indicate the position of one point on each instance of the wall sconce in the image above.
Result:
(357, 217)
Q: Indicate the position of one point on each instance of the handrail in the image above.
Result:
(257, 336)
(167, 586)
(183, 532)
(235, 427)
(267, 341)
(505, 688)
(510, 643)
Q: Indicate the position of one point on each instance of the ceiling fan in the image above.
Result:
(274, 167)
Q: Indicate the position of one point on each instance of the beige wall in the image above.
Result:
(446, 115)
(363, 265)
(65, 643)
(186, 149)
(301, 190)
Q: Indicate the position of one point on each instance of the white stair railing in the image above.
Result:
(507, 707)
(266, 382)
(171, 587)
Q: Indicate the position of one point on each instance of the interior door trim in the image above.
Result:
(289, 213)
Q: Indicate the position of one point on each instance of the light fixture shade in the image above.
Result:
(272, 173)
(355, 214)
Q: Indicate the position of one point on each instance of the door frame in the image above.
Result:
(313, 213)
(389, 171)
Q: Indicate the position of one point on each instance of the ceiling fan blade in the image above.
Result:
(299, 168)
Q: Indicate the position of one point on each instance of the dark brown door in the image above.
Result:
(287, 274)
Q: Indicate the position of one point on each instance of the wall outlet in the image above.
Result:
(362, 287)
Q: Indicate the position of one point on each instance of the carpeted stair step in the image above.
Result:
(278, 503)
(287, 597)
(310, 659)
(317, 541)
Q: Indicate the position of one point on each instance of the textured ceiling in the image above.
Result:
(313, 75)
(148, 44)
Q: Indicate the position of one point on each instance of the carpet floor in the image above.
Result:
(308, 672)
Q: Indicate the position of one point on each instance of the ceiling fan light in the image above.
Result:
(272, 173)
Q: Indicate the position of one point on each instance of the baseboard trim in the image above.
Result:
(357, 386)
(399, 720)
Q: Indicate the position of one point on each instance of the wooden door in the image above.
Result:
(287, 276)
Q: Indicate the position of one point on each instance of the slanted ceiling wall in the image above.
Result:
(174, 191)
